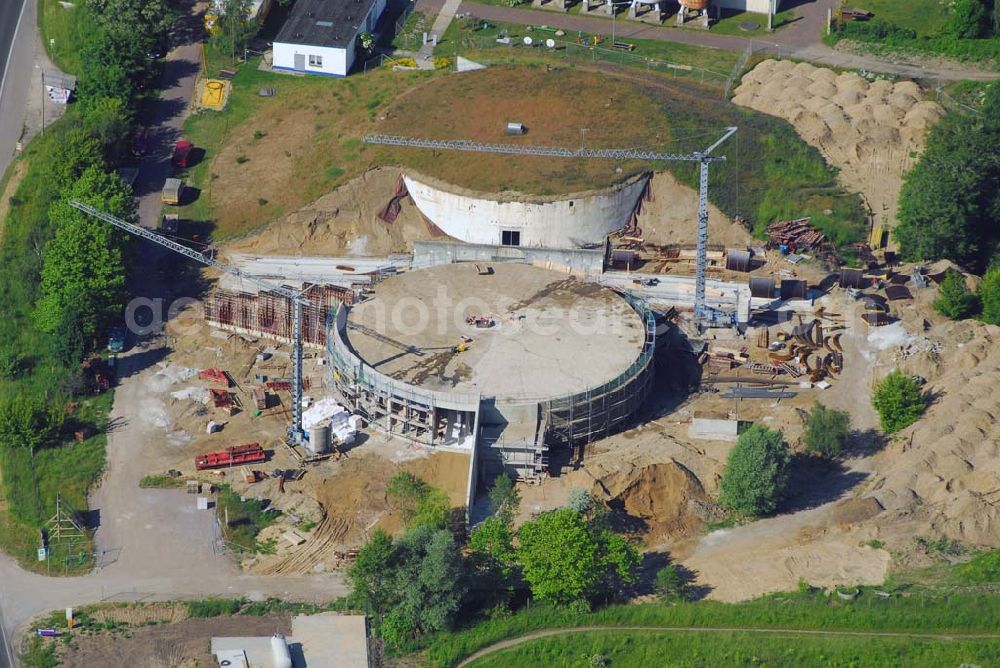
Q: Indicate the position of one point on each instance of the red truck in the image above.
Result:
(248, 453)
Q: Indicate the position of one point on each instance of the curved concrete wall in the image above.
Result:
(568, 223)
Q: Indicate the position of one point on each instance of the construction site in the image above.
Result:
(614, 339)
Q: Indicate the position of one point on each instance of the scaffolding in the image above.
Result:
(272, 315)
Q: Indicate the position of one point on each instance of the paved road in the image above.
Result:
(17, 40)
(800, 40)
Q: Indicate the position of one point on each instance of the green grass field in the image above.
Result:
(64, 30)
(628, 649)
(910, 608)
(465, 35)
(926, 17)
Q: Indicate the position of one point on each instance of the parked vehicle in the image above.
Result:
(116, 339)
(172, 191)
(182, 153)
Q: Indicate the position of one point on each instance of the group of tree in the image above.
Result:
(416, 583)
(950, 200)
(956, 301)
(82, 275)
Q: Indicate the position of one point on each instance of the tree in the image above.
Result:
(77, 152)
(954, 299)
(951, 198)
(564, 559)
(107, 120)
(151, 18)
(371, 576)
(827, 431)
(83, 266)
(969, 19)
(418, 502)
(492, 547)
(670, 584)
(504, 499)
(235, 26)
(989, 295)
(756, 473)
(428, 585)
(12, 363)
(898, 401)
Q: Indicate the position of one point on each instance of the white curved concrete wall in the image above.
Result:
(568, 223)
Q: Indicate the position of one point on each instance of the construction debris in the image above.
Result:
(795, 235)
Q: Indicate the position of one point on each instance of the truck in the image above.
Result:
(172, 191)
(236, 455)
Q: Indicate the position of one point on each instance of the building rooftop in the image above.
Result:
(327, 23)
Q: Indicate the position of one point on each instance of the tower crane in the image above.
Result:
(295, 433)
(703, 158)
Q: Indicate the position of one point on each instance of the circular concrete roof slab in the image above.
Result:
(552, 334)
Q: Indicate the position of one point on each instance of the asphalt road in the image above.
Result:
(10, 10)
(17, 34)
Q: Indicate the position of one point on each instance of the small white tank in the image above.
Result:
(279, 652)
(319, 438)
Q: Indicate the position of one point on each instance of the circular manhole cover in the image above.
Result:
(749, 26)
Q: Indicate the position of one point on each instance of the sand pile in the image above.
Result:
(942, 475)
(658, 496)
(345, 222)
(870, 131)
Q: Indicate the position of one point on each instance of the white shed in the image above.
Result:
(321, 36)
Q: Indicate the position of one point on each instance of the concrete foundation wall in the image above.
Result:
(567, 223)
(584, 262)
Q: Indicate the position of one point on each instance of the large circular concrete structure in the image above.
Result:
(511, 355)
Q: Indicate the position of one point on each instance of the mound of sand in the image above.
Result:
(870, 131)
(345, 221)
(942, 475)
(659, 496)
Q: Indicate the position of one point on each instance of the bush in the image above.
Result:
(898, 401)
(670, 585)
(214, 607)
(989, 296)
(827, 431)
(968, 19)
(878, 30)
(954, 299)
(756, 473)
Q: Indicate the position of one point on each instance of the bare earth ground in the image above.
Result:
(179, 643)
(872, 132)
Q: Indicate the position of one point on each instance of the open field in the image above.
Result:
(636, 649)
